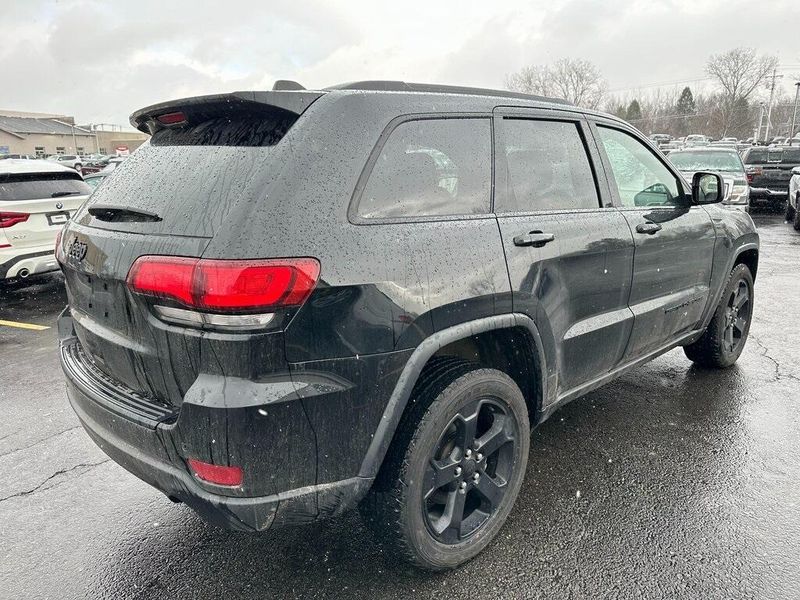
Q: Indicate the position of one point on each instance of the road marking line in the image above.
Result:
(23, 325)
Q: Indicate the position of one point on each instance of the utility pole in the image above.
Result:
(757, 132)
(794, 114)
(773, 78)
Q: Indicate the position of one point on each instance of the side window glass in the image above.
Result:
(431, 167)
(641, 179)
(548, 168)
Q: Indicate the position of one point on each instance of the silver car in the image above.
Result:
(726, 162)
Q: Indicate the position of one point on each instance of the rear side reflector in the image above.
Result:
(8, 219)
(226, 285)
(216, 474)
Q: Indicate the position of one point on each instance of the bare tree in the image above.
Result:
(576, 80)
(738, 72)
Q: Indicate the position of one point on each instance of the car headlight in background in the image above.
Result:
(739, 195)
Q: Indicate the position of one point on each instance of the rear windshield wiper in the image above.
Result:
(61, 194)
(122, 214)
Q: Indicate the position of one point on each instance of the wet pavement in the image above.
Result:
(672, 482)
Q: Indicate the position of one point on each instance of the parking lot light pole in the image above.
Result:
(793, 132)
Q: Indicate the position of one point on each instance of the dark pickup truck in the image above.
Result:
(769, 171)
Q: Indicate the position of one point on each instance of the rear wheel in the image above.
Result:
(726, 334)
(454, 470)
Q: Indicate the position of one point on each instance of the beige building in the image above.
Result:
(43, 134)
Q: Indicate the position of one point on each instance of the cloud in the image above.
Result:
(100, 61)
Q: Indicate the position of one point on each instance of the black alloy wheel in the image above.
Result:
(467, 477)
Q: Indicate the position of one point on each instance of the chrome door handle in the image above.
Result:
(648, 228)
(537, 239)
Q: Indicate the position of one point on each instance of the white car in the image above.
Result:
(68, 160)
(36, 199)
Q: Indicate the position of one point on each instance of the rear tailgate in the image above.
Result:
(168, 199)
(771, 168)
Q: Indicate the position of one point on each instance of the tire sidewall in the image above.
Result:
(739, 273)
(482, 383)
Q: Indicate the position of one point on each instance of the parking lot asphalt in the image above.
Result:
(671, 482)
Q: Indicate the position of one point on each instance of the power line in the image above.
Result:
(788, 67)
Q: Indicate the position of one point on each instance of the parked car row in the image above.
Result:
(84, 164)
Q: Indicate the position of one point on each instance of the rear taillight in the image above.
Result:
(228, 286)
(9, 219)
(216, 474)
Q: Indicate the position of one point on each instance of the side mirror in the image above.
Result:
(707, 188)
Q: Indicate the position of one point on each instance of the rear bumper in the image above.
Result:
(31, 262)
(154, 449)
(759, 193)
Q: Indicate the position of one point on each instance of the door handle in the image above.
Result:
(648, 228)
(537, 239)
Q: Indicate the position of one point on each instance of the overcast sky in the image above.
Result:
(99, 61)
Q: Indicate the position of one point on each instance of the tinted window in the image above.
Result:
(791, 155)
(431, 167)
(756, 156)
(547, 167)
(36, 186)
(641, 179)
(191, 176)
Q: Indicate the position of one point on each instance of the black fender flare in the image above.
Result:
(417, 361)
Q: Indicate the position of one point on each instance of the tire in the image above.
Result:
(790, 212)
(726, 334)
(414, 504)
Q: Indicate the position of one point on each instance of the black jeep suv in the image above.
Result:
(290, 303)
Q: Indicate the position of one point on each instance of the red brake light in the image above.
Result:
(171, 118)
(8, 219)
(228, 285)
(216, 474)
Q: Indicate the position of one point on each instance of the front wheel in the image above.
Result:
(726, 334)
(454, 469)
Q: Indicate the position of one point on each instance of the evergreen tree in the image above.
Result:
(634, 112)
(686, 104)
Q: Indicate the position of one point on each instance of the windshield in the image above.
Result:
(707, 161)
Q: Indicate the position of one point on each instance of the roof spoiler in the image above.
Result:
(294, 102)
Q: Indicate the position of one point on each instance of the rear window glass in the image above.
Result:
(191, 176)
(791, 155)
(753, 157)
(431, 167)
(548, 168)
(37, 186)
(256, 129)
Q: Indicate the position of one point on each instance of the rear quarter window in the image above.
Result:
(430, 168)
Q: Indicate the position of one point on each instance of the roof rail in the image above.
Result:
(403, 86)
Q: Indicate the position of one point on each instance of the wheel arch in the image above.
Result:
(458, 338)
(747, 255)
